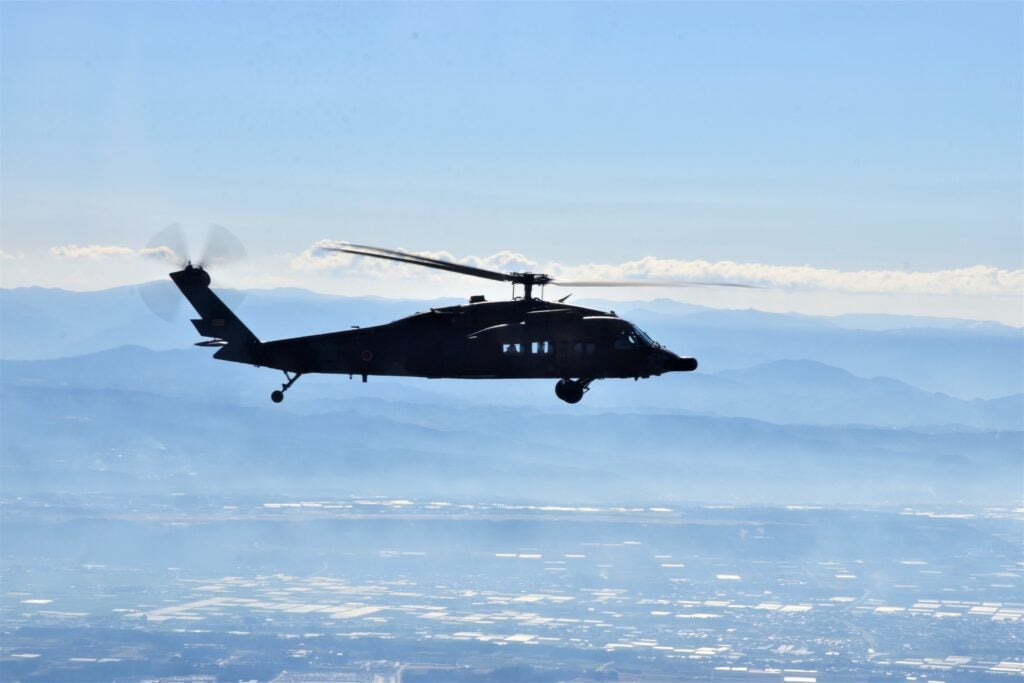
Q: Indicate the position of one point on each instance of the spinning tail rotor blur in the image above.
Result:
(221, 249)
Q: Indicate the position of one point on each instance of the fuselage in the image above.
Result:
(525, 338)
(519, 339)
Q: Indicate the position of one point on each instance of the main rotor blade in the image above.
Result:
(417, 260)
(647, 283)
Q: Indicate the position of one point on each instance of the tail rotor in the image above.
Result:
(169, 246)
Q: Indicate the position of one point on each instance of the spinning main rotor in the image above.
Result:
(527, 280)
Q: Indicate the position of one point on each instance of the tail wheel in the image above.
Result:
(278, 396)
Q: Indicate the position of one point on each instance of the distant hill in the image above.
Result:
(807, 392)
(963, 359)
(78, 439)
(38, 322)
(133, 420)
(784, 392)
(966, 361)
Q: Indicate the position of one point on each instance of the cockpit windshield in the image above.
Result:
(644, 339)
(633, 337)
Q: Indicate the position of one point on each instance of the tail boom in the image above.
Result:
(216, 320)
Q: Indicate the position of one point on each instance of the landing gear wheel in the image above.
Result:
(278, 396)
(570, 391)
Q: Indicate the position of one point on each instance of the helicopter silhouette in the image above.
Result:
(523, 338)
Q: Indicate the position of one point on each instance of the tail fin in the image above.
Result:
(216, 319)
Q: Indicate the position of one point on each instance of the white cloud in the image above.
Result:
(969, 281)
(973, 280)
(11, 255)
(98, 252)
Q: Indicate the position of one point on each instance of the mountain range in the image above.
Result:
(797, 392)
(965, 359)
(84, 411)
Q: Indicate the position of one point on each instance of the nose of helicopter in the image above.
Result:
(674, 363)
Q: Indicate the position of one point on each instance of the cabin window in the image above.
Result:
(537, 347)
(584, 348)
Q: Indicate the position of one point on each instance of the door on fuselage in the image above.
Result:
(529, 358)
(576, 358)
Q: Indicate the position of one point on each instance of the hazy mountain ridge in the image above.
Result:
(39, 323)
(76, 439)
(785, 391)
(131, 419)
(808, 392)
(966, 363)
(964, 359)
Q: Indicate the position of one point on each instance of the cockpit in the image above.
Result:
(633, 337)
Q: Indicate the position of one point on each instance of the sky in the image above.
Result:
(847, 157)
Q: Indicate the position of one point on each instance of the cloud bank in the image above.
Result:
(977, 280)
(100, 252)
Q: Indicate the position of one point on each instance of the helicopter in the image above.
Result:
(526, 337)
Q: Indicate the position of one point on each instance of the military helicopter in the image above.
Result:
(523, 338)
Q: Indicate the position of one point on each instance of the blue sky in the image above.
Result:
(850, 136)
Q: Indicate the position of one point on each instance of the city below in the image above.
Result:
(189, 588)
